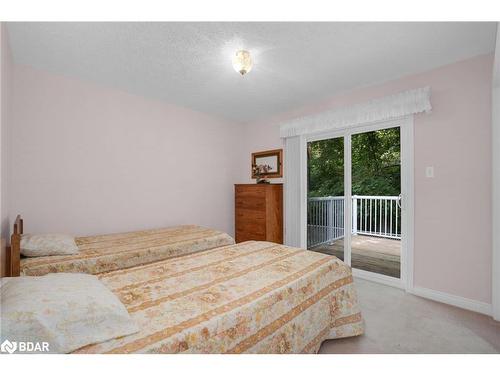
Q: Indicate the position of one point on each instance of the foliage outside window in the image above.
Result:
(376, 164)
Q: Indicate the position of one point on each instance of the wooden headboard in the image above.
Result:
(14, 255)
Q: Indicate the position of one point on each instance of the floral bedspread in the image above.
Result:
(253, 297)
(124, 250)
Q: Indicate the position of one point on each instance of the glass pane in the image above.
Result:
(325, 193)
(376, 186)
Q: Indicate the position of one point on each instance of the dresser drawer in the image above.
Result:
(251, 205)
(250, 214)
(244, 235)
(249, 192)
(254, 227)
(251, 199)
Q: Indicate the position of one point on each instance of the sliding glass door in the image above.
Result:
(354, 198)
(376, 209)
(325, 196)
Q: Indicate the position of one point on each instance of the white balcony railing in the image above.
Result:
(371, 215)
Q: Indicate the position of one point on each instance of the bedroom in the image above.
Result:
(131, 153)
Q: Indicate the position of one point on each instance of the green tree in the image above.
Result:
(376, 164)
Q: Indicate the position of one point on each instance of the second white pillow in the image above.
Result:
(36, 245)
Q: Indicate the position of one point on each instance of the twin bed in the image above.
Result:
(98, 254)
(193, 290)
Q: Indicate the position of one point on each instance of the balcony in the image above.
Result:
(375, 228)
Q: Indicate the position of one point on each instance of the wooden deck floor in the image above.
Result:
(375, 254)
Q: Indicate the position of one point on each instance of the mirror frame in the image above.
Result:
(278, 153)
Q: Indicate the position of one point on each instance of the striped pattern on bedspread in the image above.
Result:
(111, 252)
(253, 297)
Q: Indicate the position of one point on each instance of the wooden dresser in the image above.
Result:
(259, 212)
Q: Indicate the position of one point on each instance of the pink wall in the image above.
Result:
(453, 210)
(6, 71)
(90, 159)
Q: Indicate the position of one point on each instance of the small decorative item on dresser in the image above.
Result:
(260, 172)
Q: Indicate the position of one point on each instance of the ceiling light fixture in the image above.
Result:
(242, 62)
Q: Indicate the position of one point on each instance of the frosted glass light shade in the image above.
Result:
(242, 62)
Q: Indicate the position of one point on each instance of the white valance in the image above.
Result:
(386, 108)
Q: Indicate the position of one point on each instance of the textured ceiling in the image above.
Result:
(295, 63)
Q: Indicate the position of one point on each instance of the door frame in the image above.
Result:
(407, 192)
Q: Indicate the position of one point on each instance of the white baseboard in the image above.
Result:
(378, 278)
(496, 313)
(450, 299)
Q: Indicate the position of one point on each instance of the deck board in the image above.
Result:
(375, 254)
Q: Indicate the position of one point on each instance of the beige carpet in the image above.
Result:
(397, 322)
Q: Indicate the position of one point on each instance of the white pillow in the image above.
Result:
(36, 245)
(65, 310)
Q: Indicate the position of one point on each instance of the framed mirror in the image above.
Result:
(271, 158)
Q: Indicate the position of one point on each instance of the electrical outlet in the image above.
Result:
(429, 172)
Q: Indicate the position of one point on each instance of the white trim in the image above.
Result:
(356, 129)
(303, 190)
(382, 109)
(451, 299)
(408, 202)
(347, 198)
(495, 137)
(378, 278)
(495, 271)
(294, 208)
